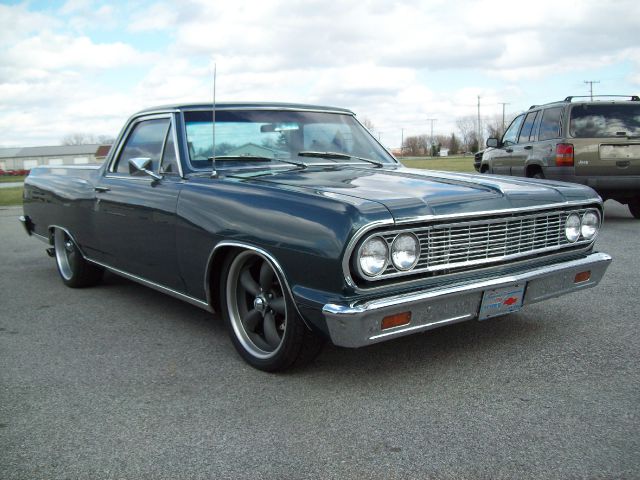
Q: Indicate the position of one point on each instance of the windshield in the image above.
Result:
(598, 121)
(270, 136)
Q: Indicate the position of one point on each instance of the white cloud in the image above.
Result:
(383, 59)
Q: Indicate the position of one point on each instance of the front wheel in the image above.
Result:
(262, 320)
(634, 207)
(74, 270)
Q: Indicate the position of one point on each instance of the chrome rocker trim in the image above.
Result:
(359, 324)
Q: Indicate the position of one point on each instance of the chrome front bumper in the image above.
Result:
(359, 324)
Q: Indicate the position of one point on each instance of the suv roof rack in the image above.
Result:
(633, 98)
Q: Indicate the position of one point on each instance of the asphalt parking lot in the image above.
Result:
(120, 381)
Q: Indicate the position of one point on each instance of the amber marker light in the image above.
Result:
(396, 320)
(582, 277)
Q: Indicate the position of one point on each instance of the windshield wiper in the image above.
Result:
(337, 155)
(258, 158)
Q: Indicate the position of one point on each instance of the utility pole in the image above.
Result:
(401, 141)
(503, 104)
(432, 120)
(479, 126)
(591, 82)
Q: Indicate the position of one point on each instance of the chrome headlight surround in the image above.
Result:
(402, 245)
(374, 250)
(572, 227)
(590, 224)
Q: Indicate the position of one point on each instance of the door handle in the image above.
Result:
(528, 147)
(509, 150)
(102, 189)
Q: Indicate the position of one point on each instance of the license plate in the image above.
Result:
(501, 301)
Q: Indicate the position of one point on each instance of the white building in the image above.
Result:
(29, 157)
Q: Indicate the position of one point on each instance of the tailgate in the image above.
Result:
(607, 157)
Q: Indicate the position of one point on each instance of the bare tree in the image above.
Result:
(416, 145)
(368, 123)
(468, 131)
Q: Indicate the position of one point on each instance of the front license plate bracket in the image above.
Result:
(501, 301)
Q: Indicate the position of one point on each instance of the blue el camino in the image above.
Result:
(297, 226)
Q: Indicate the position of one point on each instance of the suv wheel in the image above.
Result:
(634, 207)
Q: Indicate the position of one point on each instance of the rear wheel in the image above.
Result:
(74, 270)
(263, 323)
(634, 207)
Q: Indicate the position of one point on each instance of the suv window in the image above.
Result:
(527, 134)
(597, 121)
(550, 126)
(146, 141)
(509, 137)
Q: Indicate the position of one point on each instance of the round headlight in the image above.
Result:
(590, 224)
(405, 251)
(373, 256)
(572, 228)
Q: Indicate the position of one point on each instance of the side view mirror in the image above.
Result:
(493, 142)
(140, 166)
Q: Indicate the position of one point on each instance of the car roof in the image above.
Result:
(245, 106)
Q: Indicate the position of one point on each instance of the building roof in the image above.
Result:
(50, 151)
(9, 152)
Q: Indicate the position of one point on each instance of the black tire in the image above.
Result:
(262, 321)
(74, 270)
(634, 207)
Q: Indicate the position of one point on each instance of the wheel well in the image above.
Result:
(214, 274)
(533, 169)
(484, 168)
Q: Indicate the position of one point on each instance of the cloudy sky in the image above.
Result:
(85, 66)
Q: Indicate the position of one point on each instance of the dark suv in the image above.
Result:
(596, 143)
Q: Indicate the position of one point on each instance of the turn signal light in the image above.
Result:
(564, 155)
(396, 320)
(582, 277)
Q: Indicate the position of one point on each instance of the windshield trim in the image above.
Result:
(191, 168)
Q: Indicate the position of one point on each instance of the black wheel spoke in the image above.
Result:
(278, 305)
(248, 283)
(270, 330)
(266, 276)
(251, 320)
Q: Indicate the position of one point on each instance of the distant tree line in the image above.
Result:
(80, 138)
(466, 139)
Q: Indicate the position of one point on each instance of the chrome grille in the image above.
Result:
(484, 241)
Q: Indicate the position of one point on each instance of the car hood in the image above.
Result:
(409, 193)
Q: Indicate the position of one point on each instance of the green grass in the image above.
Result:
(450, 164)
(10, 196)
(9, 178)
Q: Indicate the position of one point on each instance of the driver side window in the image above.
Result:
(144, 141)
(511, 135)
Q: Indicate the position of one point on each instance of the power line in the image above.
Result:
(591, 82)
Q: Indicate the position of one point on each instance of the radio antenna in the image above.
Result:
(214, 172)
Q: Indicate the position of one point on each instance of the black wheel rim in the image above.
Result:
(256, 305)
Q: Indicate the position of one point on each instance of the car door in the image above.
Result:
(522, 150)
(136, 214)
(501, 157)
